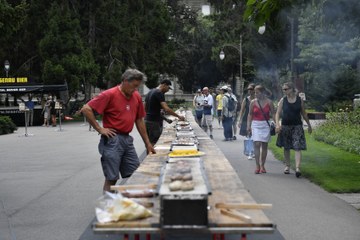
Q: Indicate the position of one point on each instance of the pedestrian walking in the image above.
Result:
(46, 112)
(228, 113)
(219, 104)
(244, 112)
(198, 104)
(208, 111)
(261, 109)
(236, 113)
(290, 128)
(30, 105)
(120, 107)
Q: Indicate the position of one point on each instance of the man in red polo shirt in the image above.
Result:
(121, 107)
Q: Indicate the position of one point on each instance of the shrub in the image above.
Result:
(177, 103)
(342, 129)
(6, 125)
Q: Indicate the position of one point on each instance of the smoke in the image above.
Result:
(325, 53)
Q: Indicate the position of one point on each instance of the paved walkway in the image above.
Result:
(301, 209)
(49, 184)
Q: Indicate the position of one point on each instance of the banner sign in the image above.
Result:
(32, 88)
(11, 80)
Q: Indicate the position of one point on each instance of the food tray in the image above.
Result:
(198, 154)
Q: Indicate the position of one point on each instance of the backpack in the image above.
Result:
(231, 104)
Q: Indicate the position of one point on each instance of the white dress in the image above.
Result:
(260, 131)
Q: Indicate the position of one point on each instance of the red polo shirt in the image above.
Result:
(118, 112)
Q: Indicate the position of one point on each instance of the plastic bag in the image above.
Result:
(114, 207)
(248, 147)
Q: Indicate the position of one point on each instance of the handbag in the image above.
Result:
(272, 125)
(248, 147)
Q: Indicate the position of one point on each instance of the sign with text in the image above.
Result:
(12, 80)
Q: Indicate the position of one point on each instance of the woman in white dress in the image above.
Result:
(261, 109)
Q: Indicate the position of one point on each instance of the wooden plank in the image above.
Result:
(240, 216)
(137, 186)
(243, 206)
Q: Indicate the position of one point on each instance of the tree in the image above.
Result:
(64, 57)
(329, 52)
(262, 12)
(130, 34)
(12, 18)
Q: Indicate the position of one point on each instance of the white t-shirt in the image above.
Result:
(199, 101)
(208, 100)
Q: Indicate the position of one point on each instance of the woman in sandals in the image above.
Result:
(290, 130)
(261, 109)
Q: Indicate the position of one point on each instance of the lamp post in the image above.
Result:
(292, 49)
(7, 67)
(239, 83)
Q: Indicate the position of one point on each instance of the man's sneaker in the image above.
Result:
(234, 137)
(211, 136)
(250, 157)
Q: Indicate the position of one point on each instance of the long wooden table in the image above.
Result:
(226, 187)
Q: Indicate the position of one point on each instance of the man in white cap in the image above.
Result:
(208, 117)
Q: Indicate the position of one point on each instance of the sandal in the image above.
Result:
(287, 170)
(263, 170)
(257, 171)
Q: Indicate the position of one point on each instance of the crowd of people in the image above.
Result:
(122, 106)
(253, 116)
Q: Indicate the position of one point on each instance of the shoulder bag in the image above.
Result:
(272, 125)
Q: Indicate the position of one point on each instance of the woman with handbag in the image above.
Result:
(290, 132)
(244, 112)
(261, 109)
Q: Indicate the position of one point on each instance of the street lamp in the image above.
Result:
(7, 67)
(239, 83)
(292, 48)
(262, 29)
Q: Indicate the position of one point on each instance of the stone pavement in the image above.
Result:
(351, 198)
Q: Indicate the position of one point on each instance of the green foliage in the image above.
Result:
(63, 53)
(6, 125)
(86, 42)
(329, 50)
(333, 169)
(341, 129)
(190, 40)
(132, 34)
(176, 103)
(12, 20)
(261, 12)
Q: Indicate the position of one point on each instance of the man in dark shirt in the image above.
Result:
(154, 102)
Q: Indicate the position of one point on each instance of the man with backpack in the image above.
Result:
(228, 113)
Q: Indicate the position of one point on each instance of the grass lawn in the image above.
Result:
(333, 169)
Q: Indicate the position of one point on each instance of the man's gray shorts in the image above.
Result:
(118, 155)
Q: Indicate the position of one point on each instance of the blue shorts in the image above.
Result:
(118, 155)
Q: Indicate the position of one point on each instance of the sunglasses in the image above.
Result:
(285, 89)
